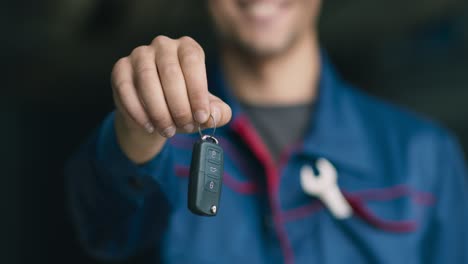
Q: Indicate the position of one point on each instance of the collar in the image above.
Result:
(335, 129)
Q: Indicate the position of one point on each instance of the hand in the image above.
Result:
(162, 87)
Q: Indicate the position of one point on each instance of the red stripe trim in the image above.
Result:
(242, 126)
(182, 171)
(286, 154)
(423, 199)
(357, 201)
(362, 211)
(395, 192)
(246, 188)
(301, 212)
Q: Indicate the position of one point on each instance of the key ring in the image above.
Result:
(205, 137)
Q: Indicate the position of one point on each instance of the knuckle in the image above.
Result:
(161, 40)
(182, 116)
(161, 121)
(140, 51)
(120, 63)
(188, 41)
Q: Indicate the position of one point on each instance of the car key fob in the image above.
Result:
(206, 177)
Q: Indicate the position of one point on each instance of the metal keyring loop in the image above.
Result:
(212, 134)
(206, 137)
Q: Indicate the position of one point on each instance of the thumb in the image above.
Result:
(220, 112)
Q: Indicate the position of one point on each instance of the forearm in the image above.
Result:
(110, 212)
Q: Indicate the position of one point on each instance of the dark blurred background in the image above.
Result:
(56, 57)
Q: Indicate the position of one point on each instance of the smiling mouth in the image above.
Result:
(262, 9)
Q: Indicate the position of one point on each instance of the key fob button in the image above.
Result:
(212, 168)
(211, 185)
(213, 176)
(213, 155)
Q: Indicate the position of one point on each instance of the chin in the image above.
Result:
(266, 47)
(264, 50)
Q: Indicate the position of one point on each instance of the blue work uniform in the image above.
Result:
(404, 177)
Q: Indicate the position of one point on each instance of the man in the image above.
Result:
(401, 194)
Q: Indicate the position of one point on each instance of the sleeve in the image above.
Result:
(117, 207)
(447, 241)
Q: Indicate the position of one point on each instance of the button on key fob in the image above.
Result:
(206, 177)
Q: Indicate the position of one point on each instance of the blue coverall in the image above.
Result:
(405, 178)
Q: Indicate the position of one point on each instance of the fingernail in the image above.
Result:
(189, 127)
(201, 116)
(149, 128)
(169, 132)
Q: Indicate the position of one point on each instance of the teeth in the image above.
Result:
(262, 9)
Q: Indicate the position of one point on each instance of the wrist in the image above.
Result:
(137, 144)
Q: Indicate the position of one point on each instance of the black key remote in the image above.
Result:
(206, 177)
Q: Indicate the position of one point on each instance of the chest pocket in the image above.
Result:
(386, 225)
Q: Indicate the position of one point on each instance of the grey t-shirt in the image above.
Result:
(279, 126)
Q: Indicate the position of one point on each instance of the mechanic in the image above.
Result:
(285, 119)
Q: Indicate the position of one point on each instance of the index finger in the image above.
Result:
(192, 62)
